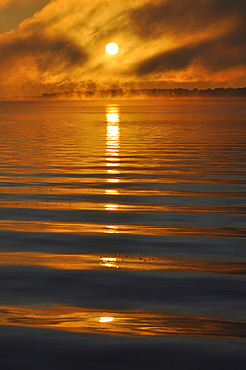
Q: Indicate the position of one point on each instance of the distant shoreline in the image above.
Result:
(177, 93)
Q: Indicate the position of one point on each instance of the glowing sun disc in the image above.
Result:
(112, 48)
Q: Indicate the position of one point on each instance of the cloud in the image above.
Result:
(62, 45)
(48, 53)
(214, 55)
(210, 35)
(177, 18)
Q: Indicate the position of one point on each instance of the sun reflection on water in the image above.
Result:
(112, 192)
(106, 319)
(112, 155)
(109, 262)
(127, 323)
(113, 181)
(111, 207)
(112, 138)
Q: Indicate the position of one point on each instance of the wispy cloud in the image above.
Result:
(62, 45)
(208, 35)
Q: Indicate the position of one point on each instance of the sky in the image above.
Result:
(58, 45)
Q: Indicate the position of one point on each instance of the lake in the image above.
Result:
(122, 234)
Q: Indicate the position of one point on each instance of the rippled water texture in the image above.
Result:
(122, 234)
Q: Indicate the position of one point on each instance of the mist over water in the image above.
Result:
(122, 226)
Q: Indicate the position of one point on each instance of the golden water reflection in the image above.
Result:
(111, 207)
(120, 261)
(127, 323)
(106, 319)
(112, 153)
(128, 229)
(112, 139)
(109, 262)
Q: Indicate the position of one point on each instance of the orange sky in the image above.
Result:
(57, 45)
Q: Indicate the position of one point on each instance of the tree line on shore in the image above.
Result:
(149, 93)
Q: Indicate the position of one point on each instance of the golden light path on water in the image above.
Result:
(123, 220)
(112, 155)
(121, 261)
(133, 229)
(126, 323)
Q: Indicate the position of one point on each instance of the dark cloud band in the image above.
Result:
(56, 52)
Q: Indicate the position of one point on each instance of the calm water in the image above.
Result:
(122, 241)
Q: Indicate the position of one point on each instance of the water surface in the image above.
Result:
(122, 233)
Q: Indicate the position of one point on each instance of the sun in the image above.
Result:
(112, 48)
